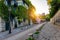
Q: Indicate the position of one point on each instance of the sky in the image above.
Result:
(41, 6)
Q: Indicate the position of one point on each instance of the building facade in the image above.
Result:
(2, 22)
(2, 25)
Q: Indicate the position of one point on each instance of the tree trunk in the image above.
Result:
(28, 21)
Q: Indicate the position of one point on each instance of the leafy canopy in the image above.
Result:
(54, 6)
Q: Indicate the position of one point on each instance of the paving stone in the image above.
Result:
(57, 34)
(43, 39)
(58, 38)
(40, 37)
(52, 38)
(49, 32)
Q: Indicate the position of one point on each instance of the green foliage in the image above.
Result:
(3, 10)
(37, 32)
(28, 2)
(55, 6)
(21, 12)
(48, 17)
(30, 38)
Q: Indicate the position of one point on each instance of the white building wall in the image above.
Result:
(20, 3)
(2, 25)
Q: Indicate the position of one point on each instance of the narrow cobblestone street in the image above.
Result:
(49, 32)
(29, 19)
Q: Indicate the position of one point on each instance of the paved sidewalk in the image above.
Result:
(25, 34)
(49, 32)
(6, 34)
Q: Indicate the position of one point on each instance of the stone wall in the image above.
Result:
(56, 18)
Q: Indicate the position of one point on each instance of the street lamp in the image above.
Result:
(9, 9)
(9, 2)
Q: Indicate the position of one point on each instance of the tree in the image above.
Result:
(31, 10)
(49, 1)
(54, 7)
(47, 17)
(4, 13)
(3, 10)
(21, 12)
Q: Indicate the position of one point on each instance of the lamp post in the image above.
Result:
(9, 9)
(9, 2)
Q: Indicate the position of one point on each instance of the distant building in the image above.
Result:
(43, 14)
(42, 17)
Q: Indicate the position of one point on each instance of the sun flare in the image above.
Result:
(41, 6)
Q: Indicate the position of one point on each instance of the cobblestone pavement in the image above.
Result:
(6, 34)
(49, 32)
(25, 34)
